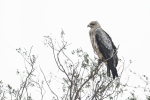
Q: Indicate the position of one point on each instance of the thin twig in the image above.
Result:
(48, 84)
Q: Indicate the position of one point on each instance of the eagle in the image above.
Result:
(104, 47)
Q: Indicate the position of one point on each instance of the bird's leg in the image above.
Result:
(108, 69)
(100, 61)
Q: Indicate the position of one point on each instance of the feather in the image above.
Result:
(104, 47)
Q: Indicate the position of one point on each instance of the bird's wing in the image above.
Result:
(107, 49)
(115, 57)
(104, 43)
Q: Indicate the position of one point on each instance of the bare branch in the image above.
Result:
(48, 84)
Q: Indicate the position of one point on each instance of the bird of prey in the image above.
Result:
(104, 47)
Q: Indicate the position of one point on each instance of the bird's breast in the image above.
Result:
(94, 45)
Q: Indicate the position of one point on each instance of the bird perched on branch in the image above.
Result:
(104, 47)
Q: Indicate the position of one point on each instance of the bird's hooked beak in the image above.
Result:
(88, 25)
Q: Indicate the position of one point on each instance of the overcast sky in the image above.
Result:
(23, 23)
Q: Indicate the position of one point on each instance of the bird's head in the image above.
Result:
(94, 24)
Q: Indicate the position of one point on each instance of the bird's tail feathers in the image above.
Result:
(113, 69)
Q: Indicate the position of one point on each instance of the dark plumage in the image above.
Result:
(104, 47)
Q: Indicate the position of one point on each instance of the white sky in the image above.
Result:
(23, 23)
